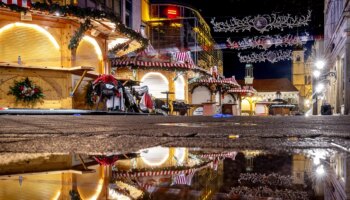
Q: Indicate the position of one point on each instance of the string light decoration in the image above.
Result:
(271, 56)
(272, 180)
(260, 192)
(261, 23)
(266, 41)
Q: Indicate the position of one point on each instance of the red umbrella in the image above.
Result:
(106, 160)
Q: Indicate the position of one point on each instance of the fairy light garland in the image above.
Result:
(270, 56)
(261, 23)
(267, 41)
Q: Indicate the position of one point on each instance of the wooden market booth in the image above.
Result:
(47, 49)
(212, 95)
(246, 100)
(166, 80)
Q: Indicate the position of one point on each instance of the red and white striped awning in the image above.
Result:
(228, 81)
(231, 155)
(159, 173)
(20, 3)
(132, 62)
(241, 91)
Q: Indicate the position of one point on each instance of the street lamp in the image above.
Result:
(319, 87)
(316, 73)
(320, 64)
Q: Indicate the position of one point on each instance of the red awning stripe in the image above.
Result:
(159, 173)
(123, 63)
(240, 91)
(219, 82)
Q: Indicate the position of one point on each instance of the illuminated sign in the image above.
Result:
(172, 12)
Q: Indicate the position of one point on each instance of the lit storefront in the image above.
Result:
(56, 50)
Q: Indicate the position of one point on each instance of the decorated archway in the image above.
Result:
(155, 156)
(89, 54)
(157, 83)
(30, 44)
(247, 106)
(180, 88)
(200, 95)
(228, 98)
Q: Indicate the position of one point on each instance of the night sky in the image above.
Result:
(223, 10)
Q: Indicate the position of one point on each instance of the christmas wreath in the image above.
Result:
(26, 91)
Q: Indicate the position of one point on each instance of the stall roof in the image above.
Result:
(230, 81)
(136, 62)
(239, 90)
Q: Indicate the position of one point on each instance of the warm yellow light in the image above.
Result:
(32, 26)
(157, 74)
(57, 196)
(180, 154)
(95, 44)
(155, 156)
(178, 25)
(97, 191)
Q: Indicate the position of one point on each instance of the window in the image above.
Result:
(128, 13)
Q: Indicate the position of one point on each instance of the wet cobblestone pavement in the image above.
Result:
(110, 134)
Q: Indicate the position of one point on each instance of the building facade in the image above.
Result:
(57, 50)
(174, 27)
(302, 79)
(337, 53)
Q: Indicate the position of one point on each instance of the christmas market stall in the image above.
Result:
(52, 51)
(166, 77)
(210, 94)
(246, 100)
(162, 171)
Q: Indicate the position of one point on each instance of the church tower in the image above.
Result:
(249, 77)
(300, 77)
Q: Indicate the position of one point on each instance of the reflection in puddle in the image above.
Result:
(176, 173)
(207, 124)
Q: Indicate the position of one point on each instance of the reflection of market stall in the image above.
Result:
(47, 48)
(172, 172)
(167, 80)
(50, 176)
(212, 94)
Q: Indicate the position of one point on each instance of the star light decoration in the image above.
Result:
(261, 23)
(271, 56)
(266, 41)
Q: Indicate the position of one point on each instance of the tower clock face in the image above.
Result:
(297, 58)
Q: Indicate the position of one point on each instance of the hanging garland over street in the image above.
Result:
(266, 41)
(273, 179)
(271, 56)
(259, 192)
(83, 13)
(26, 91)
(261, 23)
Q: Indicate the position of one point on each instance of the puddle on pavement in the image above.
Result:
(176, 173)
(207, 124)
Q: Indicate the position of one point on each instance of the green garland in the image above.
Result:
(26, 91)
(79, 34)
(84, 13)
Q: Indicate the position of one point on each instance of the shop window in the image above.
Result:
(128, 13)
